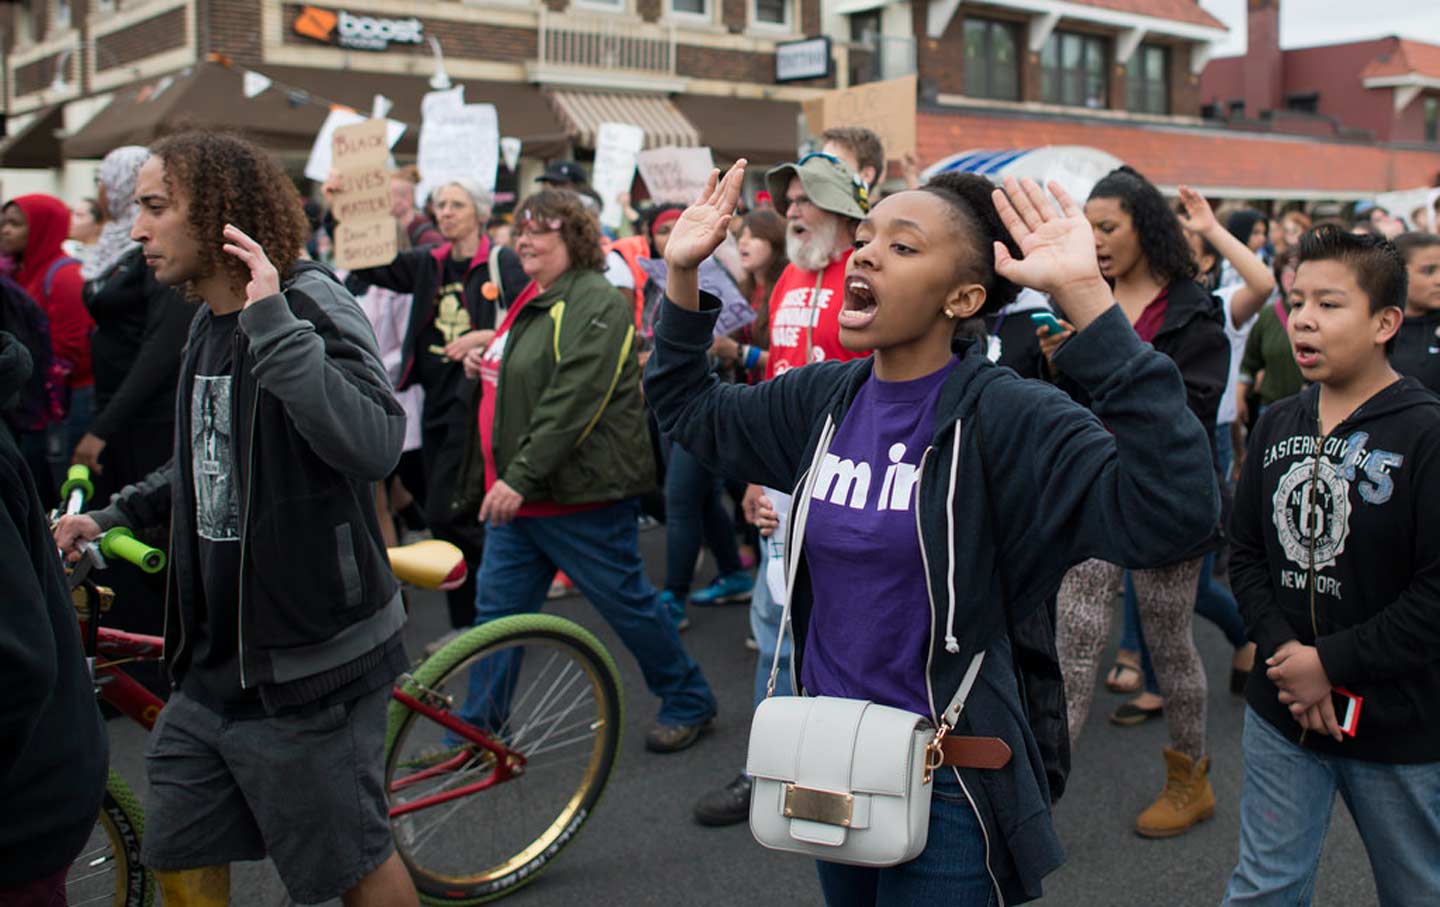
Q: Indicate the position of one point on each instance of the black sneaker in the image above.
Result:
(728, 805)
(672, 738)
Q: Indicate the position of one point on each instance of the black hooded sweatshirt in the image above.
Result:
(53, 749)
(1340, 553)
(1417, 349)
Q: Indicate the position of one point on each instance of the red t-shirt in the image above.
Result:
(1153, 317)
(490, 382)
(792, 311)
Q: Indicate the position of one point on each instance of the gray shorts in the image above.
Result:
(307, 791)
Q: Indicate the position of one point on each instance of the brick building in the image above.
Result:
(81, 76)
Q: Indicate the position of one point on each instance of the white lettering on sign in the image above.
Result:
(374, 33)
(808, 59)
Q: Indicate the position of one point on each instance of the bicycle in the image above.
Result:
(559, 712)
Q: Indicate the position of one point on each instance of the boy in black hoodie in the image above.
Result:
(1417, 346)
(1338, 576)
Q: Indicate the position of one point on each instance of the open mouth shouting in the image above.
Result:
(1306, 356)
(860, 303)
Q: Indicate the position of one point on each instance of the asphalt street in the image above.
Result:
(641, 847)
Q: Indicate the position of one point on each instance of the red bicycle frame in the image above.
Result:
(508, 762)
(114, 648)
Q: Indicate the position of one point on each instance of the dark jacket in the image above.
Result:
(29, 407)
(1064, 489)
(1417, 350)
(1364, 589)
(421, 272)
(140, 328)
(569, 422)
(53, 749)
(315, 424)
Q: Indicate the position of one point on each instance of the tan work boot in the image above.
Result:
(1186, 800)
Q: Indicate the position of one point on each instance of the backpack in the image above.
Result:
(41, 400)
(56, 265)
(1037, 668)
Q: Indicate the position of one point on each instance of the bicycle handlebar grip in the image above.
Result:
(78, 477)
(121, 542)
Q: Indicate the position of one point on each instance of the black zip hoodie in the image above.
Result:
(1340, 553)
(1417, 349)
(52, 742)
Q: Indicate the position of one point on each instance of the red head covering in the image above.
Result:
(49, 221)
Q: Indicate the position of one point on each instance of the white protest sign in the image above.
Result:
(319, 165)
(617, 147)
(457, 140)
(510, 152)
(675, 174)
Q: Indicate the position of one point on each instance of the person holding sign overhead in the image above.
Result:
(459, 288)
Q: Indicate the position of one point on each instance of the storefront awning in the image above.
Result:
(760, 130)
(584, 111)
(30, 138)
(210, 95)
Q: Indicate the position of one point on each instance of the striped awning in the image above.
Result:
(584, 111)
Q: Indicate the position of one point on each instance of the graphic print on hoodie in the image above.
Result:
(1335, 545)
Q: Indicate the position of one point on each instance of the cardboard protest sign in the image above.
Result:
(617, 147)
(457, 140)
(319, 164)
(675, 174)
(735, 309)
(366, 233)
(887, 108)
(365, 243)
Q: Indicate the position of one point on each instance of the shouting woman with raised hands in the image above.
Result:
(934, 491)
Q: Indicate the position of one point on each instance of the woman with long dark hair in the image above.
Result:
(1143, 252)
(935, 491)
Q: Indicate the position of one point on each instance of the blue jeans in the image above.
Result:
(1285, 805)
(1212, 602)
(599, 551)
(1224, 450)
(950, 870)
(765, 627)
(695, 510)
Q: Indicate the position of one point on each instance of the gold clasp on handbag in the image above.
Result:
(934, 753)
(827, 807)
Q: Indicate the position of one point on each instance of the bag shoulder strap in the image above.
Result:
(56, 265)
(502, 304)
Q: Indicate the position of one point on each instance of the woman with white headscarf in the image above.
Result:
(140, 327)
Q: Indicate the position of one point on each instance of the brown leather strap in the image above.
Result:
(975, 752)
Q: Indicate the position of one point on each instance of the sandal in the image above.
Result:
(1125, 676)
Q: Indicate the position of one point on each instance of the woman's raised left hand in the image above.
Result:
(702, 227)
(1196, 213)
(1057, 249)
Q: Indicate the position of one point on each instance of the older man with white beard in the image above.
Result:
(823, 200)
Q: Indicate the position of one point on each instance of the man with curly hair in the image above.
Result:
(283, 619)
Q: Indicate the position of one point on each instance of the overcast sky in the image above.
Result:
(1304, 23)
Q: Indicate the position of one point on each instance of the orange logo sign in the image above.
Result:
(316, 23)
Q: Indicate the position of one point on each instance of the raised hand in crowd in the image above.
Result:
(1057, 249)
(699, 232)
(264, 279)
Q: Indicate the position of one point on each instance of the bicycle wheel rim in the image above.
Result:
(107, 870)
(556, 658)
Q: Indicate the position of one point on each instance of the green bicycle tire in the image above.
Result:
(506, 631)
(123, 823)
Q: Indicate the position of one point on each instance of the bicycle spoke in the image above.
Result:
(554, 690)
(540, 715)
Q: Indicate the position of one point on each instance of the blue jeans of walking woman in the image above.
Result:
(599, 550)
(950, 870)
(1286, 802)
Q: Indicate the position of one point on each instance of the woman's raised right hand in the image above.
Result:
(332, 184)
(702, 227)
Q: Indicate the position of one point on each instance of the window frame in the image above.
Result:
(705, 16)
(613, 7)
(1063, 78)
(988, 66)
(786, 27)
(1431, 125)
(1144, 85)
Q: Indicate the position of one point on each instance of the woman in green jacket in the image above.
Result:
(566, 455)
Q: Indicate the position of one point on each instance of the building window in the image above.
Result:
(1304, 102)
(63, 17)
(1147, 80)
(992, 68)
(1072, 70)
(612, 6)
(771, 12)
(690, 9)
(1432, 120)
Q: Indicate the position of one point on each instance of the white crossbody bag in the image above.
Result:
(843, 780)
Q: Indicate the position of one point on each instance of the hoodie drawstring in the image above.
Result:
(952, 645)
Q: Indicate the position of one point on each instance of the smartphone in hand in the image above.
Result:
(1047, 321)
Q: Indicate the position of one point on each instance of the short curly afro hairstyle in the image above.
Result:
(228, 180)
(579, 228)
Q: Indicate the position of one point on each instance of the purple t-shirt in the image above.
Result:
(870, 628)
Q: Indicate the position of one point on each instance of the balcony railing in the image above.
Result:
(601, 43)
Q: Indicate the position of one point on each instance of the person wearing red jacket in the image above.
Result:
(32, 227)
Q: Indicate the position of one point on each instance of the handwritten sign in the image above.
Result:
(319, 164)
(735, 309)
(365, 243)
(675, 174)
(886, 108)
(617, 147)
(457, 140)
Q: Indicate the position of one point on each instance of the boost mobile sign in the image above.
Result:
(357, 32)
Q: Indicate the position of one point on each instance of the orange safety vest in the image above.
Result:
(632, 249)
